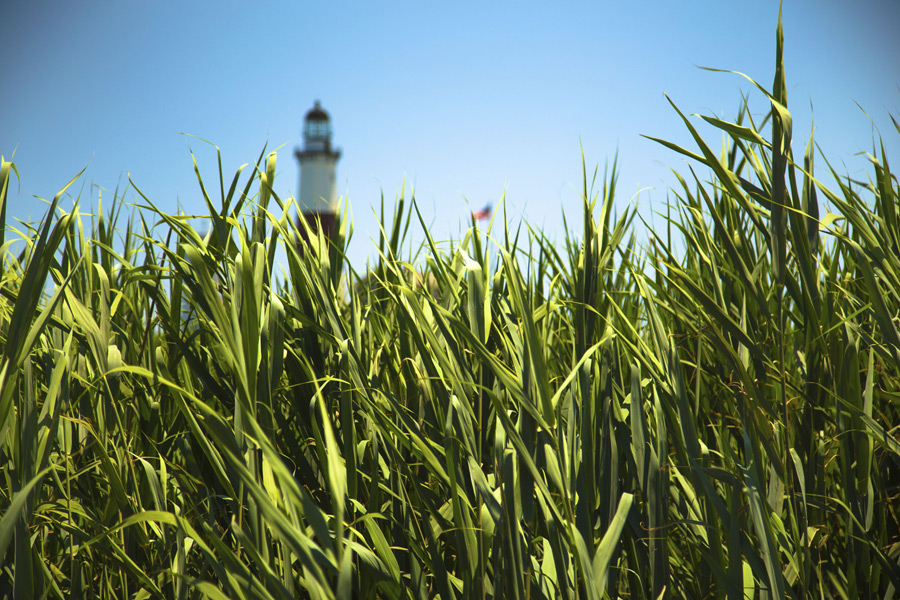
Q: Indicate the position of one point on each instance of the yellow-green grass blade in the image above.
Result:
(28, 318)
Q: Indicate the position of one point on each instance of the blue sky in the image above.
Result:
(463, 101)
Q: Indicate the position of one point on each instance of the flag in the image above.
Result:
(483, 214)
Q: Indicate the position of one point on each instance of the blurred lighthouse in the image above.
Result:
(318, 191)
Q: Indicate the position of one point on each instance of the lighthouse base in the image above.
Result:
(318, 221)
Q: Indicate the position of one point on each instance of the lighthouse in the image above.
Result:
(318, 191)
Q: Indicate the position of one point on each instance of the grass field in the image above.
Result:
(523, 419)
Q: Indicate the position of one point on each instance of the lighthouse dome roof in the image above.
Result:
(317, 113)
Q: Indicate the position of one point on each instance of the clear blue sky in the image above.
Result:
(463, 101)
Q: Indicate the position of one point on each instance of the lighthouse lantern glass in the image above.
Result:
(317, 130)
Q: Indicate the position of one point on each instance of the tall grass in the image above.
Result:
(597, 419)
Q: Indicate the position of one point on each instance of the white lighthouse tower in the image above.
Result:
(318, 191)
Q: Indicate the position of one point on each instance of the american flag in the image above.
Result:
(483, 214)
